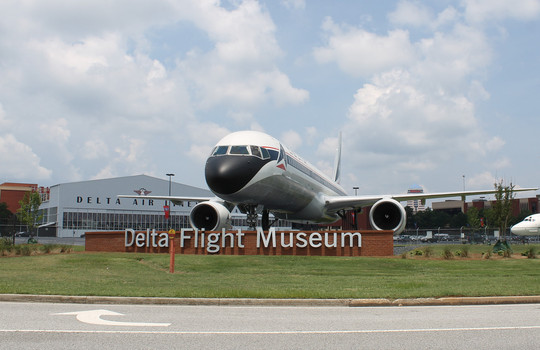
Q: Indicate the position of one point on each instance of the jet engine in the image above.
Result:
(388, 214)
(210, 216)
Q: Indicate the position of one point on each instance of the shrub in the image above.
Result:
(48, 248)
(447, 253)
(6, 245)
(486, 255)
(25, 250)
(417, 252)
(66, 248)
(502, 248)
(530, 253)
(428, 252)
(464, 252)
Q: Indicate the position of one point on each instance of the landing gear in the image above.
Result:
(252, 217)
(266, 220)
(252, 212)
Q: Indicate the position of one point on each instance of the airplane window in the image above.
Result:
(239, 150)
(255, 151)
(265, 154)
(220, 150)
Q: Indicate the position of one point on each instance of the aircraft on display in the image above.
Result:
(257, 174)
(530, 226)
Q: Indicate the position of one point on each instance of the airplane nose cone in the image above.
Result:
(229, 174)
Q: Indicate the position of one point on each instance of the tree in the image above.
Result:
(458, 220)
(7, 221)
(5, 214)
(473, 218)
(29, 213)
(502, 208)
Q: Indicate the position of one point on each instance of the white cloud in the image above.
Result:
(402, 119)
(294, 4)
(95, 149)
(411, 14)
(56, 131)
(502, 163)
(481, 180)
(241, 69)
(90, 81)
(416, 112)
(450, 59)
(493, 10)
(292, 139)
(477, 92)
(362, 53)
(19, 161)
(4, 122)
(203, 137)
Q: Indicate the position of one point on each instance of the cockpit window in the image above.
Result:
(256, 151)
(239, 150)
(220, 150)
(265, 154)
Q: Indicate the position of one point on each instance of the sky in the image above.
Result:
(441, 94)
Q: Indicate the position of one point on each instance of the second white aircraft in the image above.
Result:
(530, 226)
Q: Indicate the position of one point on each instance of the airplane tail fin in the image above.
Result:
(337, 161)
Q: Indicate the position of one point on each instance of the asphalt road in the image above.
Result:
(98, 326)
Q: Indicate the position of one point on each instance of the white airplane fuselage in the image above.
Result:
(530, 226)
(254, 168)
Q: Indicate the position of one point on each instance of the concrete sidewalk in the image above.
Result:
(270, 302)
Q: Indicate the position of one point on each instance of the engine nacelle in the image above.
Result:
(388, 214)
(210, 216)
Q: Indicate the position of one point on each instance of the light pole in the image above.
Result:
(355, 188)
(170, 175)
(171, 231)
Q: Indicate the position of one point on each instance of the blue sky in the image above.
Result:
(424, 92)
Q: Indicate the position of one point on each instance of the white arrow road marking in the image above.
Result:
(94, 317)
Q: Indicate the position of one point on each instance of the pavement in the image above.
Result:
(269, 302)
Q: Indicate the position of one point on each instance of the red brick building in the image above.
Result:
(11, 193)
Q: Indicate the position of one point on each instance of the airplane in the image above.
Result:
(256, 173)
(530, 226)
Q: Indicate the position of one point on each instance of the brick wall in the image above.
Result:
(374, 243)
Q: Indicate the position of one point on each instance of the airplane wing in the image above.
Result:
(178, 200)
(336, 203)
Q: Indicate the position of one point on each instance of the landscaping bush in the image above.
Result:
(6, 245)
(48, 248)
(428, 252)
(463, 252)
(447, 253)
(530, 253)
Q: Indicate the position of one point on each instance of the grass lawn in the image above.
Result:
(129, 274)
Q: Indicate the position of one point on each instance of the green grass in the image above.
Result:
(128, 274)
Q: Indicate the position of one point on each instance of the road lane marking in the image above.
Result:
(365, 331)
(94, 317)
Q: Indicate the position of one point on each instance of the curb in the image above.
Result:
(269, 302)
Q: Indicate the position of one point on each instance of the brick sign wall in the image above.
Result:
(316, 243)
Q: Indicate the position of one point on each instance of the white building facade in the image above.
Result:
(77, 207)
(416, 204)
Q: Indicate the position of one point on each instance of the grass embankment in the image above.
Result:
(128, 274)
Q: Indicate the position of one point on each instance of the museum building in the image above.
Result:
(77, 207)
